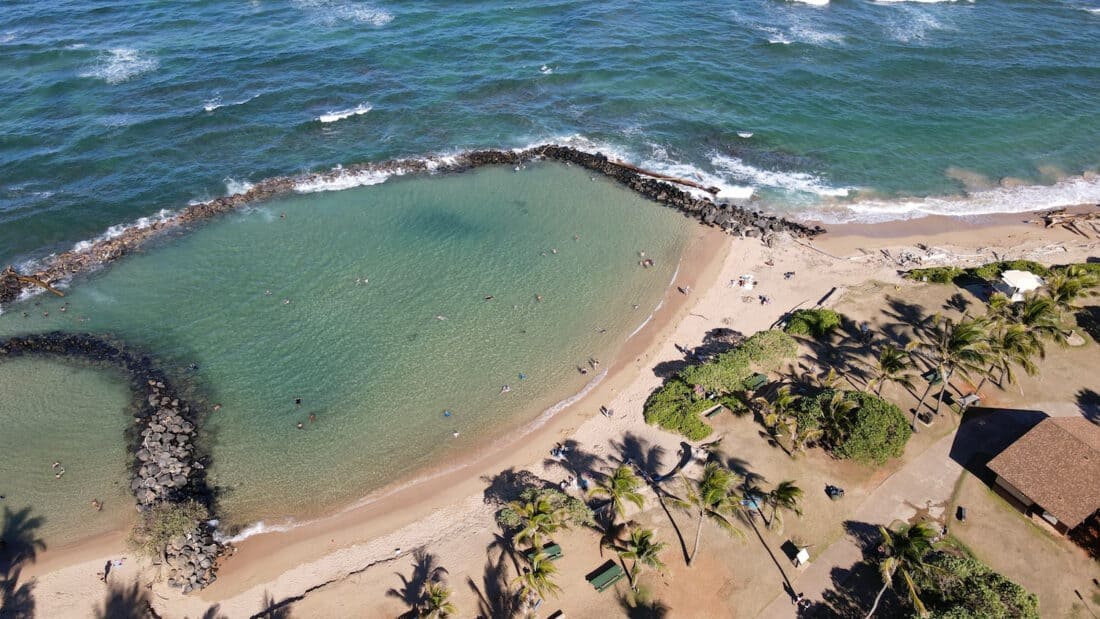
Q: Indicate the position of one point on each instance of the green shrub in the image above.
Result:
(957, 587)
(816, 323)
(874, 431)
(577, 513)
(1092, 268)
(674, 408)
(992, 271)
(935, 275)
(765, 351)
(164, 522)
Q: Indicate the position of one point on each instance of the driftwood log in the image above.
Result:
(12, 279)
(1070, 221)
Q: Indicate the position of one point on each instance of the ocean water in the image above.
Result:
(377, 318)
(857, 109)
(53, 411)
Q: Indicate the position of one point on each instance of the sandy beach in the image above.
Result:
(343, 564)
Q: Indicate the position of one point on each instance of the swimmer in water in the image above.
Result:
(554, 250)
(505, 389)
(441, 317)
(312, 417)
(455, 434)
(267, 293)
(300, 425)
(217, 407)
(286, 301)
(298, 402)
(538, 297)
(576, 237)
(489, 297)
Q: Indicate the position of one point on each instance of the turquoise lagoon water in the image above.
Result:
(377, 362)
(113, 110)
(53, 411)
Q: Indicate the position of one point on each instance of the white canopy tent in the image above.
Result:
(1015, 284)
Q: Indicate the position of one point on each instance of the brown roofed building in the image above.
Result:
(1054, 470)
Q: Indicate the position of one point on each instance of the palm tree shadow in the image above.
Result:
(126, 602)
(575, 460)
(271, 608)
(19, 544)
(1089, 403)
(495, 597)
(648, 458)
(425, 570)
(507, 485)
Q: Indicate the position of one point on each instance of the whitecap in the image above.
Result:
(335, 12)
(235, 187)
(118, 230)
(332, 117)
(791, 181)
(340, 179)
(1093, 11)
(121, 64)
(1068, 192)
(7, 37)
(805, 34)
(545, 70)
(212, 104)
(744, 134)
(812, 2)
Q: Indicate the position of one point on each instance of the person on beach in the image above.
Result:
(96, 505)
(505, 389)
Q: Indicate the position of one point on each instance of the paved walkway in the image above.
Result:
(925, 484)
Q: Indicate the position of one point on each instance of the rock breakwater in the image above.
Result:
(167, 466)
(735, 219)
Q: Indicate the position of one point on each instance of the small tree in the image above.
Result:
(538, 578)
(642, 550)
(893, 365)
(538, 519)
(1070, 285)
(785, 496)
(164, 522)
(904, 552)
(436, 603)
(621, 487)
(711, 498)
(775, 413)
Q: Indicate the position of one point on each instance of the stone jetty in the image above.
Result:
(735, 219)
(167, 466)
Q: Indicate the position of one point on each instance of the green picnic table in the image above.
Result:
(608, 574)
(755, 381)
(552, 551)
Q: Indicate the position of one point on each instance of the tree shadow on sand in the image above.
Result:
(575, 461)
(426, 570)
(19, 545)
(126, 602)
(1089, 403)
(715, 342)
(854, 588)
(495, 597)
(508, 484)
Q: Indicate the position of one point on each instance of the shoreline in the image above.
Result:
(290, 563)
(703, 254)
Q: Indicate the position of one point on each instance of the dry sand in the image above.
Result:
(343, 565)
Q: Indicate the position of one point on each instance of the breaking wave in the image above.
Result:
(791, 181)
(121, 64)
(334, 12)
(332, 117)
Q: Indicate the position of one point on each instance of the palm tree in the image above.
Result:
(776, 413)
(786, 495)
(803, 435)
(904, 553)
(711, 498)
(956, 347)
(1011, 345)
(538, 579)
(642, 550)
(621, 487)
(539, 519)
(1039, 314)
(436, 603)
(1071, 284)
(836, 417)
(893, 365)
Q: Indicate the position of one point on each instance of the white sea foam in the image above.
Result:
(7, 37)
(806, 34)
(1093, 11)
(1068, 192)
(256, 528)
(744, 134)
(212, 104)
(332, 117)
(812, 2)
(74, 46)
(775, 35)
(792, 181)
(916, 1)
(343, 180)
(121, 64)
(235, 187)
(335, 12)
(119, 229)
(545, 70)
